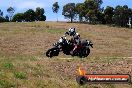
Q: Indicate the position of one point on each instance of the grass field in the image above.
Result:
(23, 63)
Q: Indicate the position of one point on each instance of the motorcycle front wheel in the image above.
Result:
(84, 53)
(87, 52)
(81, 80)
(52, 52)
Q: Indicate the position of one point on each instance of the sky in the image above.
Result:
(23, 5)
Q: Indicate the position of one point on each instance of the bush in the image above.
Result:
(5, 84)
(8, 65)
(18, 17)
(20, 75)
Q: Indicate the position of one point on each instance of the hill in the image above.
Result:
(23, 63)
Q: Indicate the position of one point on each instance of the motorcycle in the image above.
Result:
(66, 46)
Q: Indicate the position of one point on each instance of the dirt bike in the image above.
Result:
(65, 46)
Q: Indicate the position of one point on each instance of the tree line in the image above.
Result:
(28, 16)
(89, 11)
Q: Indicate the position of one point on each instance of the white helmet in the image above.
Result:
(72, 31)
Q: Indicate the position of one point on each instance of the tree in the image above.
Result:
(93, 10)
(108, 14)
(91, 16)
(18, 17)
(1, 13)
(121, 16)
(69, 11)
(80, 9)
(11, 11)
(99, 3)
(55, 8)
(116, 17)
(126, 15)
(7, 18)
(40, 14)
(2, 19)
(100, 17)
(29, 15)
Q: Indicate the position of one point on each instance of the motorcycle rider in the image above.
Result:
(75, 38)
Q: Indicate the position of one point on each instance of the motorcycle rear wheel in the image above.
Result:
(84, 53)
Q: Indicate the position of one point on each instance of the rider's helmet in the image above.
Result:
(72, 31)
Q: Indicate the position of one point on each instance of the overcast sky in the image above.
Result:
(23, 5)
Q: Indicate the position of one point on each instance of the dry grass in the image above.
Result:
(35, 38)
(23, 63)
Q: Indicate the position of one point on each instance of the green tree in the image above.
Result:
(18, 17)
(108, 12)
(93, 10)
(29, 15)
(69, 11)
(40, 14)
(116, 17)
(55, 8)
(100, 17)
(121, 16)
(80, 9)
(91, 16)
(126, 15)
(1, 19)
(11, 11)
